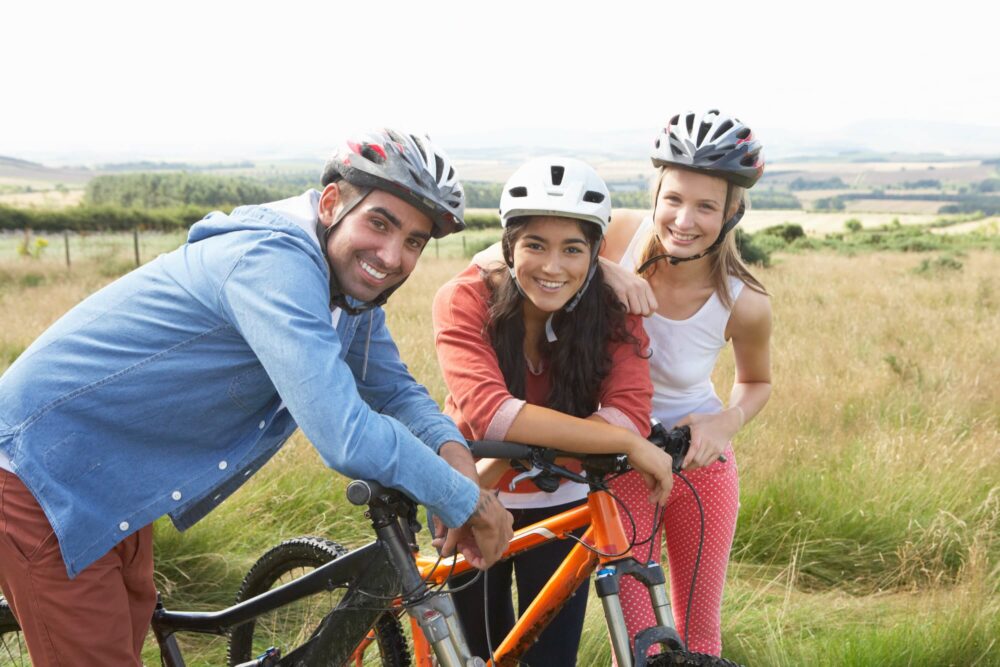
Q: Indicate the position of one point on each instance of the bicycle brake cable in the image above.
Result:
(631, 520)
(697, 560)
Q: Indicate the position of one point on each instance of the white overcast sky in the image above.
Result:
(108, 77)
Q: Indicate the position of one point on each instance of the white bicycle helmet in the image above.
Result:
(561, 187)
(557, 186)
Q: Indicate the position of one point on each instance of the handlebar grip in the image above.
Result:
(362, 491)
(498, 449)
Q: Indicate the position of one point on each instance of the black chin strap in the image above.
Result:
(726, 228)
(337, 297)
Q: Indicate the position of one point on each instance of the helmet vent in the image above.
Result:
(373, 153)
(744, 133)
(439, 165)
(673, 121)
(519, 191)
(725, 127)
(451, 173)
(557, 174)
(702, 131)
(690, 122)
(593, 197)
(716, 157)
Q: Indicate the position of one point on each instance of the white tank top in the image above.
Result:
(684, 351)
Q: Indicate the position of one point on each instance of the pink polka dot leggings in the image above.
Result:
(718, 487)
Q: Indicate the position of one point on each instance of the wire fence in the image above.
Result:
(140, 246)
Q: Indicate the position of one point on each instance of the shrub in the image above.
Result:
(941, 265)
(788, 231)
(853, 225)
(750, 251)
(829, 204)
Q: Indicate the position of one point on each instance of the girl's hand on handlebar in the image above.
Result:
(654, 465)
(711, 435)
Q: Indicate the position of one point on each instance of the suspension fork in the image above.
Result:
(610, 539)
(434, 614)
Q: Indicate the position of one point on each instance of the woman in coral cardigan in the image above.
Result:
(538, 350)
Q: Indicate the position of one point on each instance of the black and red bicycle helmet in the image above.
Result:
(406, 165)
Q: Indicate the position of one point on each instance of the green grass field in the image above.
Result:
(869, 528)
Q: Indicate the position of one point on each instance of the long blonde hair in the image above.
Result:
(725, 261)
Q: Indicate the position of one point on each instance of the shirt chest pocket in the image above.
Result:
(251, 390)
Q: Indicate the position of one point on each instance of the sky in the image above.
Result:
(217, 78)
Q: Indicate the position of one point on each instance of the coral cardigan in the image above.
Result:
(478, 399)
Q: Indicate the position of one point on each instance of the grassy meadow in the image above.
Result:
(869, 528)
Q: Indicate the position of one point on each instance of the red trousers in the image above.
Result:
(718, 487)
(101, 617)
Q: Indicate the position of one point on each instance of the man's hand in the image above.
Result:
(484, 537)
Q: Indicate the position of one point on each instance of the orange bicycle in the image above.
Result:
(389, 576)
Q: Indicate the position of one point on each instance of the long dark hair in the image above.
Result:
(580, 358)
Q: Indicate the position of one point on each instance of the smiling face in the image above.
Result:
(552, 257)
(689, 211)
(376, 245)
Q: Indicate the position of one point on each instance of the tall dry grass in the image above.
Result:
(869, 530)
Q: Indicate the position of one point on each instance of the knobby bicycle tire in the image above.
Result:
(291, 625)
(687, 659)
(13, 650)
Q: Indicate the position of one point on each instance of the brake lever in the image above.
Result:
(542, 463)
(527, 474)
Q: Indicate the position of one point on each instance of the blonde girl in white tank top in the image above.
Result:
(697, 296)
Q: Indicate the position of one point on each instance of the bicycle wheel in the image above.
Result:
(13, 650)
(686, 659)
(291, 625)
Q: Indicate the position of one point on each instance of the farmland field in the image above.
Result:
(869, 529)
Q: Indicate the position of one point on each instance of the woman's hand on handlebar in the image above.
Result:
(655, 467)
(711, 435)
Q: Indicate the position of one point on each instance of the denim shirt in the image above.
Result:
(164, 391)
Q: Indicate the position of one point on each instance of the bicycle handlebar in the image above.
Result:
(674, 442)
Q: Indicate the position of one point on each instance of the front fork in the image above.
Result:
(435, 614)
(608, 589)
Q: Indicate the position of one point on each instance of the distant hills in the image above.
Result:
(874, 140)
(892, 140)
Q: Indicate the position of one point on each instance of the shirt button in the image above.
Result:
(223, 465)
(123, 526)
(261, 425)
(176, 495)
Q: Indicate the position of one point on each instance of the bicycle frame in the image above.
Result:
(610, 551)
(353, 617)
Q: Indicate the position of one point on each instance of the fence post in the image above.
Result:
(135, 243)
(437, 250)
(464, 253)
(66, 242)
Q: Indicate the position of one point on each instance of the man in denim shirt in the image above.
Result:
(163, 392)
